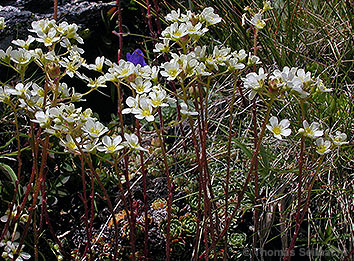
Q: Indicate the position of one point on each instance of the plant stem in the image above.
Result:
(169, 185)
(250, 171)
(126, 175)
(228, 161)
(300, 217)
(55, 9)
(84, 200)
(299, 188)
(120, 26)
(146, 219)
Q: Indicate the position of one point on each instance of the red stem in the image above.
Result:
(146, 221)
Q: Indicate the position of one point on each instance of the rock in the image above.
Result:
(20, 14)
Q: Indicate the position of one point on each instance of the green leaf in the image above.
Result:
(8, 170)
(7, 143)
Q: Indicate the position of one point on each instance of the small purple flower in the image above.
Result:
(136, 58)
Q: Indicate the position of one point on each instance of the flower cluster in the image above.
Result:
(9, 241)
(51, 106)
(288, 81)
(313, 131)
(256, 20)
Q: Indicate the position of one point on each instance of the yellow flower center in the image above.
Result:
(94, 131)
(308, 132)
(146, 113)
(277, 130)
(321, 148)
(111, 148)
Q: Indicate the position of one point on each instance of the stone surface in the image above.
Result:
(20, 14)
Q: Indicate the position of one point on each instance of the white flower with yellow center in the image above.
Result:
(94, 129)
(257, 21)
(145, 110)
(99, 62)
(70, 144)
(279, 129)
(171, 70)
(322, 146)
(339, 139)
(141, 86)
(209, 17)
(24, 44)
(132, 141)
(162, 47)
(21, 56)
(158, 98)
(48, 38)
(110, 144)
(312, 130)
(254, 82)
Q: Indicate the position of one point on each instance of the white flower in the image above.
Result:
(49, 38)
(71, 33)
(284, 79)
(11, 249)
(133, 142)
(200, 53)
(133, 104)
(235, 64)
(253, 59)
(43, 118)
(21, 89)
(162, 47)
(322, 146)
(42, 26)
(96, 83)
(72, 65)
(21, 56)
(312, 130)
(110, 144)
(62, 27)
(70, 144)
(90, 145)
(123, 69)
(257, 21)
(6, 55)
(305, 77)
(279, 129)
(98, 64)
(24, 44)
(201, 70)
(175, 31)
(141, 86)
(158, 98)
(145, 110)
(339, 139)
(321, 87)
(254, 82)
(71, 47)
(209, 17)
(196, 30)
(184, 110)
(4, 93)
(221, 55)
(171, 70)
(176, 16)
(8, 237)
(94, 129)
(2, 23)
